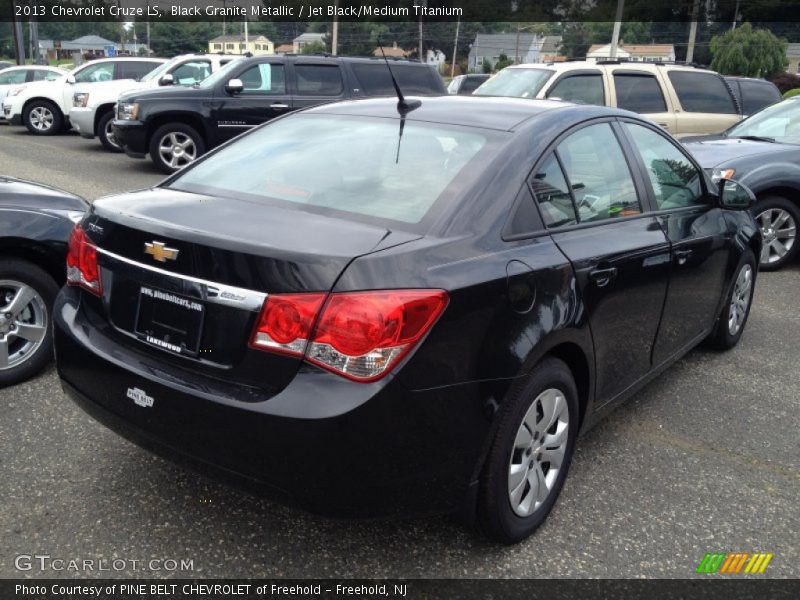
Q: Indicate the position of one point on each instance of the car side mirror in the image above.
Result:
(235, 86)
(734, 195)
(166, 79)
(70, 78)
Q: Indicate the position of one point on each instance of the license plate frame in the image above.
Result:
(169, 321)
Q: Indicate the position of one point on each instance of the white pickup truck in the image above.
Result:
(93, 105)
(44, 107)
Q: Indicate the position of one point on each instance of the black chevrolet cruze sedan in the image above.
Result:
(373, 308)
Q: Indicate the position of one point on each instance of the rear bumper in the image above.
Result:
(132, 136)
(324, 443)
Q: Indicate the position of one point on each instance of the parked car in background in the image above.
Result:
(4, 64)
(15, 76)
(93, 104)
(35, 225)
(753, 94)
(43, 107)
(683, 100)
(420, 303)
(466, 84)
(763, 152)
(177, 125)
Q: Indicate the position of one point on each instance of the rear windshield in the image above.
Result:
(516, 83)
(346, 166)
(414, 80)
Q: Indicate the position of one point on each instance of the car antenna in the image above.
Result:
(403, 106)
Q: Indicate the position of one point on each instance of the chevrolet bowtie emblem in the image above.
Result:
(160, 252)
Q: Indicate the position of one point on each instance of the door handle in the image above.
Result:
(682, 256)
(664, 126)
(279, 105)
(603, 276)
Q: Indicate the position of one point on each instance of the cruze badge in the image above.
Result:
(160, 252)
(140, 397)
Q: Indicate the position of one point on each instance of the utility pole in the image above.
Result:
(421, 58)
(335, 33)
(455, 50)
(735, 15)
(19, 41)
(147, 32)
(617, 27)
(692, 32)
(35, 54)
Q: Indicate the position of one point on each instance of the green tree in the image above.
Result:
(748, 52)
(487, 66)
(502, 62)
(314, 48)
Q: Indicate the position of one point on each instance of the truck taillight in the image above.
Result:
(82, 269)
(359, 335)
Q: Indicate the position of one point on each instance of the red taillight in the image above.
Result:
(82, 269)
(360, 335)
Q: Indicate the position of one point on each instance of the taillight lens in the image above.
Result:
(82, 269)
(359, 335)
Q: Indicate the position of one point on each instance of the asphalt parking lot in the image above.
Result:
(704, 459)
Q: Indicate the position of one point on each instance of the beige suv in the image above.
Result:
(683, 100)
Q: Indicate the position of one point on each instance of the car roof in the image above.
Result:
(487, 112)
(572, 65)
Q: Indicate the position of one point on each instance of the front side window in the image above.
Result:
(639, 93)
(581, 89)
(356, 168)
(702, 92)
(552, 194)
(13, 77)
(319, 80)
(265, 79)
(93, 73)
(675, 180)
(44, 75)
(191, 72)
(598, 174)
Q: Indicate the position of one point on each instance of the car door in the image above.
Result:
(698, 233)
(590, 197)
(316, 83)
(265, 96)
(642, 92)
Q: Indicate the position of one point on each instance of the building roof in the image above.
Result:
(237, 38)
(793, 50)
(392, 51)
(284, 48)
(93, 40)
(310, 37)
(551, 44)
(503, 43)
(637, 49)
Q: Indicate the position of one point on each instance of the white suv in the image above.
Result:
(43, 107)
(93, 104)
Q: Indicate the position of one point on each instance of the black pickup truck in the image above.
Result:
(177, 125)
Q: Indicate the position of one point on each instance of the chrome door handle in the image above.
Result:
(602, 276)
(682, 256)
(279, 105)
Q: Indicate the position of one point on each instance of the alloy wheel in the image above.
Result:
(41, 118)
(109, 133)
(538, 453)
(23, 322)
(177, 149)
(740, 299)
(779, 231)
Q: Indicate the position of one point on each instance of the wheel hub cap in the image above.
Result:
(779, 232)
(23, 322)
(538, 452)
(740, 299)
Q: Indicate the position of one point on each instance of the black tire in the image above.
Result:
(722, 338)
(44, 285)
(772, 262)
(180, 130)
(30, 117)
(496, 517)
(109, 144)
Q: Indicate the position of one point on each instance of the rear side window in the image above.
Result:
(374, 79)
(96, 72)
(598, 174)
(581, 89)
(640, 93)
(702, 92)
(319, 80)
(551, 191)
(265, 79)
(756, 95)
(135, 69)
